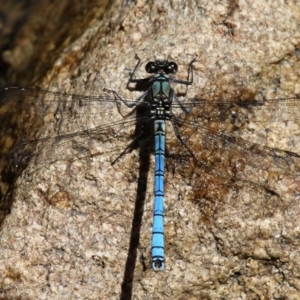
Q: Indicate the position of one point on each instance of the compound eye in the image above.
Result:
(150, 67)
(173, 67)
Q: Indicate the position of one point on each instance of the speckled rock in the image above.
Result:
(81, 229)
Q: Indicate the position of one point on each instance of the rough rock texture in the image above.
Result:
(81, 229)
(33, 36)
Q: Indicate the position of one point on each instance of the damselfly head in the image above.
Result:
(161, 66)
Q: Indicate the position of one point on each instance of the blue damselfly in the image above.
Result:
(191, 126)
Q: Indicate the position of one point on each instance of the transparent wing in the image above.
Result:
(265, 110)
(112, 139)
(209, 131)
(225, 152)
(81, 125)
(47, 102)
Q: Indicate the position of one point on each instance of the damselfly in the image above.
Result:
(198, 125)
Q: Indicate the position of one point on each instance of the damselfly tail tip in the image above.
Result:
(158, 265)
